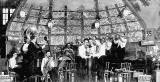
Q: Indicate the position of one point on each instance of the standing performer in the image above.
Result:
(49, 66)
(34, 52)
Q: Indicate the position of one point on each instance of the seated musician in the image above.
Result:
(92, 48)
(92, 51)
(68, 50)
(122, 43)
(82, 55)
(49, 66)
(102, 53)
(15, 67)
(118, 48)
(83, 48)
(115, 49)
(108, 45)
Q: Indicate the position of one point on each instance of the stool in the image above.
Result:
(126, 66)
(106, 72)
(13, 74)
(144, 78)
(125, 77)
(106, 75)
(48, 79)
(61, 75)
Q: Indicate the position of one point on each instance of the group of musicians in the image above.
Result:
(97, 49)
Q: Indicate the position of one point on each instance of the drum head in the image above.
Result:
(64, 58)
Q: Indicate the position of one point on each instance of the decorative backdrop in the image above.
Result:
(70, 25)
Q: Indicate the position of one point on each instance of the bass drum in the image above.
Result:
(64, 62)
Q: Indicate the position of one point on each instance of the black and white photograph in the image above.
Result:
(79, 40)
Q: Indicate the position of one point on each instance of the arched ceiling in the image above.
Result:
(75, 21)
(149, 10)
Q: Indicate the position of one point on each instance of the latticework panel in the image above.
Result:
(57, 30)
(73, 39)
(105, 29)
(70, 25)
(73, 30)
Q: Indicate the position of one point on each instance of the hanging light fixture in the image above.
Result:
(22, 14)
(96, 24)
(50, 23)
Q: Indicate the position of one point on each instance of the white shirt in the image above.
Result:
(108, 45)
(97, 42)
(25, 47)
(92, 51)
(50, 62)
(102, 50)
(12, 63)
(122, 42)
(155, 49)
(82, 51)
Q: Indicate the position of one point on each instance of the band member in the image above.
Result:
(68, 50)
(122, 44)
(115, 48)
(32, 55)
(24, 47)
(49, 66)
(92, 48)
(118, 47)
(102, 53)
(102, 46)
(83, 49)
(81, 58)
(108, 45)
(16, 66)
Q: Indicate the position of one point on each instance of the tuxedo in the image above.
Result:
(30, 58)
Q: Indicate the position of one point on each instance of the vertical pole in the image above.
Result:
(82, 26)
(65, 24)
(97, 15)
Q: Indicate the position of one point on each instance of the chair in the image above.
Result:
(106, 72)
(125, 77)
(126, 66)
